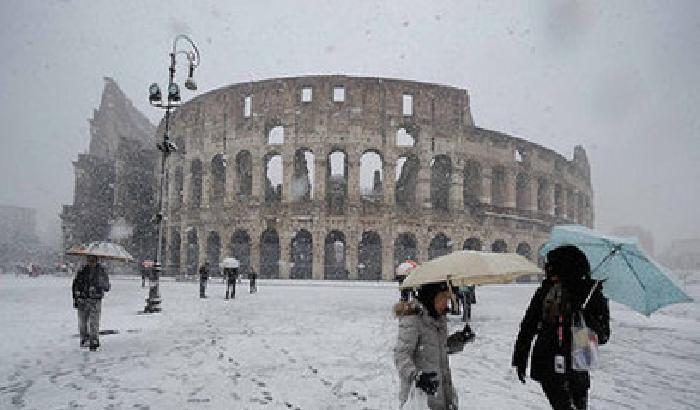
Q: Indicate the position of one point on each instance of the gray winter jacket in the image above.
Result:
(422, 345)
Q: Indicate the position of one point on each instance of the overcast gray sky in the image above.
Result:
(621, 78)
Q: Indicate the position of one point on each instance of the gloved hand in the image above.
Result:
(426, 382)
(78, 303)
(520, 370)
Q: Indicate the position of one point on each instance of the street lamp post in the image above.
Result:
(166, 147)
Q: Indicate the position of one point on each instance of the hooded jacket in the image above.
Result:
(422, 345)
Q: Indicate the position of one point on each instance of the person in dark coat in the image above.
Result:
(89, 286)
(231, 276)
(549, 318)
(203, 278)
(252, 276)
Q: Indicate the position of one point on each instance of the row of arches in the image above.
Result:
(301, 254)
(503, 189)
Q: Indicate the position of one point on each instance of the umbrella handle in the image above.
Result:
(590, 294)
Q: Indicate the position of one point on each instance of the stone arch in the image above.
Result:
(244, 172)
(335, 250)
(406, 137)
(372, 176)
(440, 245)
(522, 191)
(192, 251)
(499, 246)
(269, 254)
(440, 181)
(471, 188)
(213, 251)
(275, 134)
(240, 249)
(336, 181)
(407, 167)
(301, 255)
(302, 188)
(405, 248)
(196, 175)
(524, 250)
(273, 175)
(369, 252)
(218, 179)
(472, 244)
(175, 243)
(498, 186)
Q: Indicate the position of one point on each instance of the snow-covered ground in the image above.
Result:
(304, 345)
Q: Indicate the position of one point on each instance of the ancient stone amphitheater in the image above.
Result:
(337, 177)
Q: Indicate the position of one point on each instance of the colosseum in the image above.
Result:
(338, 177)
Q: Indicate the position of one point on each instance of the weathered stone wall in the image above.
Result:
(487, 187)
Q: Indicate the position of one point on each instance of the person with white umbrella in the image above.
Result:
(422, 347)
(89, 287)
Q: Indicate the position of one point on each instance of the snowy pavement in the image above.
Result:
(304, 346)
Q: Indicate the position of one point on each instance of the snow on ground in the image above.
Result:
(304, 346)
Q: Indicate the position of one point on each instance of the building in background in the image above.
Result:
(683, 254)
(18, 237)
(114, 196)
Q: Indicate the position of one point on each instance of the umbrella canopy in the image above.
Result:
(471, 268)
(230, 263)
(104, 250)
(629, 276)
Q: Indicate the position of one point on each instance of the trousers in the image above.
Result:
(89, 319)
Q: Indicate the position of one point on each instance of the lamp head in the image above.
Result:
(154, 95)
(173, 93)
(189, 83)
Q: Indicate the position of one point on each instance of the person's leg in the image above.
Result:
(558, 394)
(94, 319)
(82, 325)
(579, 383)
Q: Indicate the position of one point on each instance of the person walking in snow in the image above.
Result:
(252, 276)
(203, 278)
(89, 286)
(549, 317)
(231, 275)
(422, 348)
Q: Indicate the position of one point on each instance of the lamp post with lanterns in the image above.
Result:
(166, 147)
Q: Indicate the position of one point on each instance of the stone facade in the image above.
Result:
(336, 177)
(114, 194)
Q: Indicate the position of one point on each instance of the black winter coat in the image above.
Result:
(203, 274)
(90, 283)
(597, 317)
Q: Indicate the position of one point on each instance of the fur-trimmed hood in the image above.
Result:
(408, 308)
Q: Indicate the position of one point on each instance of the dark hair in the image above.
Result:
(567, 262)
(426, 295)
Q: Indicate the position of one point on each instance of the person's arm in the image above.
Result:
(528, 330)
(597, 315)
(406, 346)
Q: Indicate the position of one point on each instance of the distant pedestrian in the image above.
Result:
(203, 278)
(89, 286)
(468, 296)
(231, 274)
(252, 276)
(143, 276)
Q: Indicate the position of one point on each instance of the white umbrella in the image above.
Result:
(471, 268)
(230, 263)
(104, 250)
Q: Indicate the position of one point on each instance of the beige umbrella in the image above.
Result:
(471, 268)
(103, 250)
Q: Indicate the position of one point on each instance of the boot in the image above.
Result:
(84, 341)
(94, 344)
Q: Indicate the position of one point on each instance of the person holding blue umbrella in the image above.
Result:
(567, 293)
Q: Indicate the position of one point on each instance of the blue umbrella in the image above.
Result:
(628, 275)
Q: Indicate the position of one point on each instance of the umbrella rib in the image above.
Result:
(634, 273)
